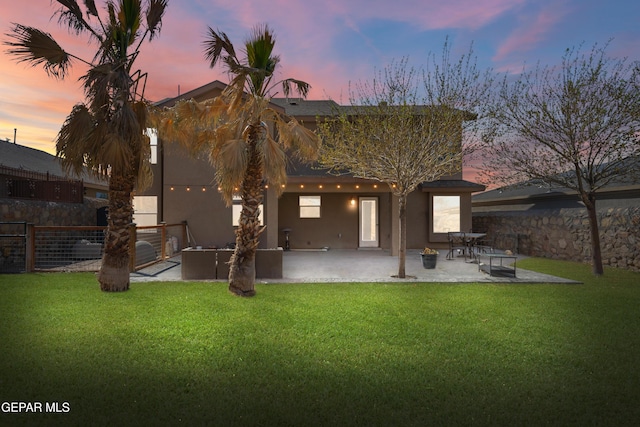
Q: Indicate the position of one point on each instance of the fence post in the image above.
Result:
(185, 238)
(163, 241)
(30, 248)
(132, 247)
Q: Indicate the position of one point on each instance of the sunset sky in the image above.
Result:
(327, 43)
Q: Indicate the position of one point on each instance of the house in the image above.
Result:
(316, 210)
(536, 219)
(23, 168)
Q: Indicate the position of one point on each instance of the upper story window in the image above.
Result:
(153, 137)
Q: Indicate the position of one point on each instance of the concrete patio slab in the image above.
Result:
(362, 266)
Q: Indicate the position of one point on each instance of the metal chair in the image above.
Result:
(456, 245)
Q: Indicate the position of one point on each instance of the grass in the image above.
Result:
(318, 354)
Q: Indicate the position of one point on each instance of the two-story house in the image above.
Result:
(316, 210)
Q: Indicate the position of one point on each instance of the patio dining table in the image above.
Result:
(469, 241)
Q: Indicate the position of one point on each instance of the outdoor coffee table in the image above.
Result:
(496, 269)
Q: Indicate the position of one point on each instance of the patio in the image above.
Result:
(361, 266)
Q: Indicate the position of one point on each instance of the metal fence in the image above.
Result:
(22, 184)
(67, 248)
(46, 248)
(13, 247)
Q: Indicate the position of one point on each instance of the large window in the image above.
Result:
(446, 214)
(309, 206)
(145, 210)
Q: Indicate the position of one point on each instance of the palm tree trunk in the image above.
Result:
(114, 272)
(242, 271)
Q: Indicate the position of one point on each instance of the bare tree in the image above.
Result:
(404, 128)
(575, 126)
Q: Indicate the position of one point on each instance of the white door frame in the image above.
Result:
(368, 222)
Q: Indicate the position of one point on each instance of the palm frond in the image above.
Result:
(274, 161)
(70, 14)
(155, 12)
(115, 152)
(129, 20)
(231, 165)
(91, 7)
(260, 58)
(302, 88)
(304, 143)
(37, 47)
(72, 142)
(215, 45)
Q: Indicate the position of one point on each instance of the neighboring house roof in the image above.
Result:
(537, 194)
(17, 156)
(452, 185)
(298, 107)
(199, 94)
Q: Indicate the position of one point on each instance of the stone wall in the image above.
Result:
(564, 234)
(51, 213)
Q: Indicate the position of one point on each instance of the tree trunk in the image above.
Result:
(589, 201)
(402, 253)
(114, 272)
(242, 271)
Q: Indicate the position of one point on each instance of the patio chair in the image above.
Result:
(485, 245)
(456, 245)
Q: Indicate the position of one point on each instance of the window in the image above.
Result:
(309, 206)
(153, 140)
(446, 214)
(236, 209)
(145, 210)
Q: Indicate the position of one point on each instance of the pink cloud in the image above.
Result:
(530, 33)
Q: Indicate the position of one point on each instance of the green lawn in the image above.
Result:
(324, 354)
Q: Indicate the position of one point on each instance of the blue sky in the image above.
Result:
(327, 43)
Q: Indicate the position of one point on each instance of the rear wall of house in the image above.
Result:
(207, 216)
(337, 228)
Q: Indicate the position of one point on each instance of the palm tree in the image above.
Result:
(235, 130)
(105, 134)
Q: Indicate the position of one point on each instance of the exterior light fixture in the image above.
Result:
(353, 201)
(188, 188)
(204, 189)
